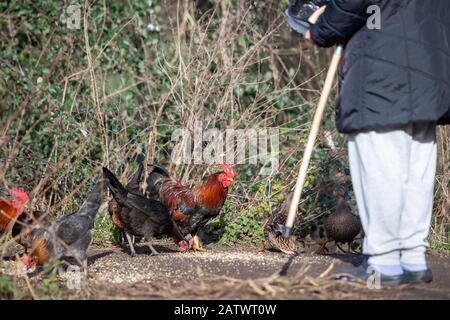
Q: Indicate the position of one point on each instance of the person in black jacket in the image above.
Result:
(395, 91)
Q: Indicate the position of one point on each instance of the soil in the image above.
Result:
(236, 273)
(195, 271)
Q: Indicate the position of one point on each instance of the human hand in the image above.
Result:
(308, 35)
(313, 19)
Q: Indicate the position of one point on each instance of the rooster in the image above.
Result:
(68, 237)
(191, 208)
(11, 209)
(143, 217)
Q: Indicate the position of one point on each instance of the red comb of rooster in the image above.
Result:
(227, 169)
(19, 195)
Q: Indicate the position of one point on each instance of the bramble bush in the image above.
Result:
(112, 92)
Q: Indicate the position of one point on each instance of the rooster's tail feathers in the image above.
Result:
(160, 169)
(154, 180)
(136, 178)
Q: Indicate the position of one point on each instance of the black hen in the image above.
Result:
(143, 217)
(114, 209)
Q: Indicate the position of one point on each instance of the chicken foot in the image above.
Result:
(349, 248)
(197, 246)
(322, 249)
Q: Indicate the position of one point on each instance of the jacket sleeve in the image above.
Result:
(340, 21)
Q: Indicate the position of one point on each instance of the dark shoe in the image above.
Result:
(370, 276)
(425, 276)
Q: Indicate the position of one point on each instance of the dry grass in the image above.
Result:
(440, 229)
(221, 287)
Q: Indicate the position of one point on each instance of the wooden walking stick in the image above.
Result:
(314, 131)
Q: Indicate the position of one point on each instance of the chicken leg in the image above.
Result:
(153, 250)
(349, 248)
(197, 246)
(84, 265)
(344, 251)
(130, 242)
(57, 270)
(323, 249)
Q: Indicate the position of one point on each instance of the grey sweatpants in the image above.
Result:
(393, 174)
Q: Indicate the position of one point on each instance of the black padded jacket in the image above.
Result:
(395, 75)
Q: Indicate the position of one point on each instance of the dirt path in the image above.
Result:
(231, 273)
(224, 272)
